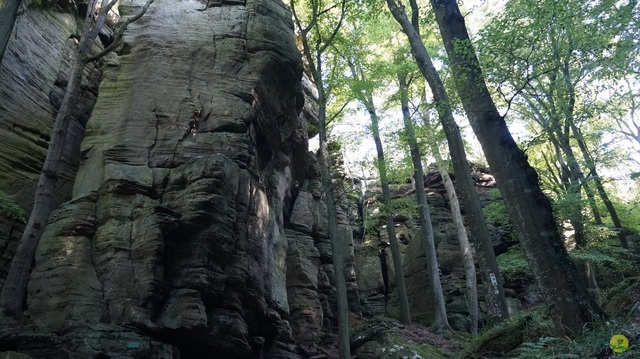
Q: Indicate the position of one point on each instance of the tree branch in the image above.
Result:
(120, 33)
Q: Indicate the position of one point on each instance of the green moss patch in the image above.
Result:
(509, 335)
(622, 298)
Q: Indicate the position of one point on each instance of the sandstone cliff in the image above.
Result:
(173, 243)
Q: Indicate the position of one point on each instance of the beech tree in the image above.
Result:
(550, 61)
(494, 294)
(405, 314)
(440, 322)
(367, 73)
(456, 215)
(316, 33)
(366, 99)
(570, 305)
(15, 287)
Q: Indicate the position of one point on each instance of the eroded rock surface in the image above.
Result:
(174, 244)
(33, 74)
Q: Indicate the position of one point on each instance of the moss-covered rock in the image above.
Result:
(622, 298)
(509, 335)
(384, 338)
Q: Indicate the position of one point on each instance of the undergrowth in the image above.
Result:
(530, 335)
(10, 209)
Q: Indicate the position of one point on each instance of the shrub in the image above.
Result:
(10, 209)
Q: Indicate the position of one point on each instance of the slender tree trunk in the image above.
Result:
(14, 290)
(314, 57)
(590, 270)
(440, 322)
(569, 303)
(494, 294)
(574, 190)
(405, 314)
(465, 248)
(337, 248)
(8, 15)
(570, 175)
(591, 198)
(384, 268)
(13, 293)
(622, 235)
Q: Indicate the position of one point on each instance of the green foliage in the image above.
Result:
(590, 344)
(565, 205)
(513, 264)
(603, 250)
(372, 224)
(629, 214)
(10, 209)
(508, 335)
(530, 335)
(608, 257)
(403, 206)
(400, 170)
(530, 350)
(555, 65)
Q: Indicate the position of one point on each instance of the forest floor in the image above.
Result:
(528, 335)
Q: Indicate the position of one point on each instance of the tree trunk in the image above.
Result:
(384, 268)
(494, 294)
(590, 270)
(569, 303)
(337, 248)
(622, 235)
(405, 314)
(574, 189)
(465, 248)
(13, 293)
(314, 60)
(8, 15)
(440, 322)
(597, 217)
(14, 290)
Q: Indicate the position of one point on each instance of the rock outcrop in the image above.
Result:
(174, 242)
(414, 262)
(33, 74)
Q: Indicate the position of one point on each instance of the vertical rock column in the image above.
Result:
(189, 157)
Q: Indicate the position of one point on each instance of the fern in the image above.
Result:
(10, 209)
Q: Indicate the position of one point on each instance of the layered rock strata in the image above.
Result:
(174, 244)
(33, 74)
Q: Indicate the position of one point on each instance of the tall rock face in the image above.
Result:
(174, 244)
(33, 77)
(33, 74)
